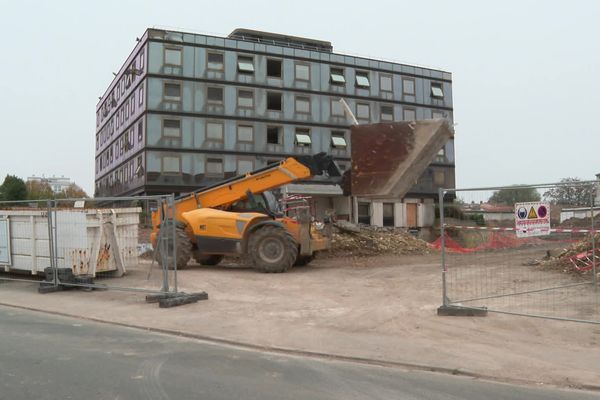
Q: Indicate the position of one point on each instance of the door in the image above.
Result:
(411, 215)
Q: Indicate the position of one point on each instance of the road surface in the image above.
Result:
(45, 356)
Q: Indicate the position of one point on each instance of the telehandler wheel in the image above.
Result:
(212, 259)
(303, 260)
(272, 249)
(184, 250)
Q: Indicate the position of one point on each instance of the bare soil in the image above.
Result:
(381, 308)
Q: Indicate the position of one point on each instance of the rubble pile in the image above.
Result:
(563, 259)
(362, 240)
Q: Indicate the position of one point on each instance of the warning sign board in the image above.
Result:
(532, 219)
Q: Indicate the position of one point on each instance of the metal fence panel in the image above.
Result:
(496, 257)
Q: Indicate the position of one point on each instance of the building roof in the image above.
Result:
(280, 39)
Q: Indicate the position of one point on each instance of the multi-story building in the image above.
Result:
(57, 184)
(187, 110)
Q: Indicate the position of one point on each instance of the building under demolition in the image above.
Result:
(188, 110)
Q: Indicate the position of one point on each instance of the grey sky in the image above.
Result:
(525, 92)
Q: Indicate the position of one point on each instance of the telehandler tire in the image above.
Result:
(184, 250)
(272, 249)
(212, 259)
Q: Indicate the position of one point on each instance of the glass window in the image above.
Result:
(410, 114)
(245, 133)
(273, 135)
(245, 65)
(437, 114)
(142, 58)
(274, 101)
(388, 214)
(338, 140)
(336, 107)
(244, 166)
(439, 177)
(172, 91)
(214, 95)
(302, 72)
(273, 68)
(441, 155)
(214, 131)
(408, 86)
(362, 79)
(171, 164)
(141, 95)
(245, 98)
(385, 83)
(364, 213)
(436, 90)
(302, 104)
(363, 111)
(172, 128)
(337, 76)
(303, 137)
(387, 113)
(214, 166)
(172, 56)
(215, 61)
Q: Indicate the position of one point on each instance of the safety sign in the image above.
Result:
(532, 219)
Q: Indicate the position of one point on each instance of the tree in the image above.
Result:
(39, 190)
(514, 195)
(570, 193)
(73, 192)
(13, 188)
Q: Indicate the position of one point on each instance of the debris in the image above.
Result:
(351, 240)
(574, 259)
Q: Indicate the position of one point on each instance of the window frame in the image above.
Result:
(172, 99)
(381, 113)
(304, 132)
(368, 117)
(239, 70)
(436, 85)
(172, 48)
(296, 98)
(405, 109)
(336, 100)
(362, 74)
(296, 64)
(271, 92)
(244, 159)
(174, 156)
(219, 102)
(339, 135)
(280, 60)
(342, 74)
(214, 174)
(279, 134)
(208, 67)
(439, 112)
(238, 126)
(414, 83)
(162, 128)
(250, 107)
(214, 122)
(391, 89)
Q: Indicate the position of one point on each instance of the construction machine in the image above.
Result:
(238, 216)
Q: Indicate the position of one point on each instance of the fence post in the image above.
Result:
(163, 245)
(171, 202)
(51, 244)
(594, 274)
(443, 243)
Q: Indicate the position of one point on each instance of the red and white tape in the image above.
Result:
(497, 228)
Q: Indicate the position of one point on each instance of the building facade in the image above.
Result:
(57, 184)
(188, 110)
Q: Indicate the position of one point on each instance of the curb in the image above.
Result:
(316, 355)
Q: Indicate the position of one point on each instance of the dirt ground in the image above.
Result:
(381, 308)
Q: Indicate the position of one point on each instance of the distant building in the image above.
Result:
(491, 212)
(57, 184)
(187, 110)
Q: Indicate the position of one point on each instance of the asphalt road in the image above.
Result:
(50, 357)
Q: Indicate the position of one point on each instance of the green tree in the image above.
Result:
(570, 193)
(13, 188)
(514, 195)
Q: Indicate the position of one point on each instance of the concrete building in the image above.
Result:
(187, 110)
(57, 184)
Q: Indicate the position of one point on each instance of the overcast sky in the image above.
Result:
(526, 90)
